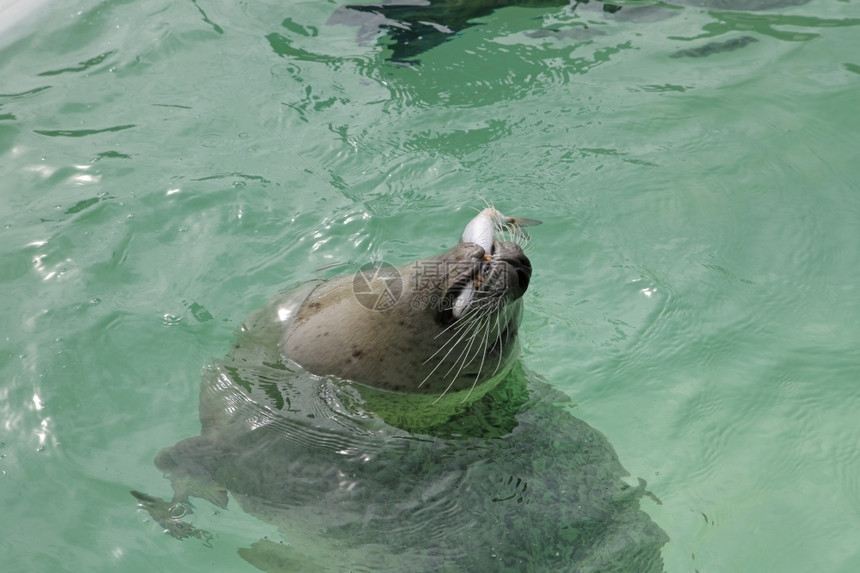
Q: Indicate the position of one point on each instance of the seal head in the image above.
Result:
(421, 342)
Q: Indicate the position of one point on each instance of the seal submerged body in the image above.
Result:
(504, 479)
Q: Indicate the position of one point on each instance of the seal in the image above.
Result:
(309, 423)
(443, 328)
(417, 344)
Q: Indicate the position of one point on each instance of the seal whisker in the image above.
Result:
(468, 315)
(483, 359)
(465, 327)
(463, 359)
(458, 336)
(462, 328)
(479, 326)
(456, 328)
(478, 323)
(467, 335)
(501, 341)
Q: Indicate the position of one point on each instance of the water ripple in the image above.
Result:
(81, 132)
(82, 66)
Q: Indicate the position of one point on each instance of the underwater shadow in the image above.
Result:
(415, 26)
(512, 483)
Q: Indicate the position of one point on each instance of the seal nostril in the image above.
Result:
(523, 267)
(523, 278)
(517, 266)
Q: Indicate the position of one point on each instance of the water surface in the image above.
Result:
(169, 166)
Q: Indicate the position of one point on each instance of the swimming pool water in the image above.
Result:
(166, 167)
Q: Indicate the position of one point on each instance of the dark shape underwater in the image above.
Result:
(415, 26)
(513, 483)
(714, 48)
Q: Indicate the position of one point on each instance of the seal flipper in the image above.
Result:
(168, 516)
(187, 464)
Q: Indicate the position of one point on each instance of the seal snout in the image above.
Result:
(516, 269)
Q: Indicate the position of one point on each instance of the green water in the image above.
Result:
(166, 167)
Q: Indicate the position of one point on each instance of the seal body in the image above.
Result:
(445, 456)
(412, 341)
